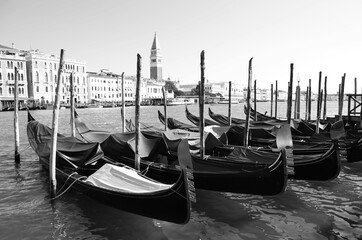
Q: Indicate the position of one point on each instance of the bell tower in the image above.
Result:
(155, 60)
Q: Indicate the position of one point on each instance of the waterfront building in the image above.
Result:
(156, 60)
(106, 86)
(42, 71)
(9, 59)
(220, 88)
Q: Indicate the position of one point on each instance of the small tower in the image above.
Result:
(155, 60)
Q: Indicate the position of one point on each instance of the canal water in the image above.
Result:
(307, 210)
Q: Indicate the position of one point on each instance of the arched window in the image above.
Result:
(12, 76)
(45, 65)
(9, 76)
(8, 64)
(9, 90)
(22, 76)
(46, 77)
(1, 91)
(55, 78)
(37, 76)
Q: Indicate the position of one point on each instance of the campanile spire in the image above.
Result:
(156, 60)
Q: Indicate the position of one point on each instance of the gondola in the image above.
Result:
(350, 141)
(259, 134)
(175, 124)
(242, 170)
(196, 120)
(318, 160)
(84, 168)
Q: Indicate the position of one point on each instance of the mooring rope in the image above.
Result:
(75, 180)
(144, 172)
(21, 151)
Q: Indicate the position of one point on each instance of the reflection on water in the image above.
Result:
(307, 210)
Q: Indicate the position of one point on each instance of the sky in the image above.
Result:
(314, 35)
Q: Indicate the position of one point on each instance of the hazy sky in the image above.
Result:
(315, 35)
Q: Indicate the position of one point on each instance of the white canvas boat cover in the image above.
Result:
(123, 179)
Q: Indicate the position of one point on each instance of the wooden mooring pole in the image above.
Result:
(319, 102)
(325, 99)
(72, 107)
(290, 94)
(202, 104)
(341, 96)
(123, 106)
(276, 98)
(306, 104)
(247, 118)
(16, 117)
(355, 90)
(297, 102)
(55, 121)
(137, 113)
(310, 100)
(255, 111)
(229, 109)
(271, 100)
(165, 105)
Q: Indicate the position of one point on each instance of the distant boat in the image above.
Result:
(226, 101)
(180, 101)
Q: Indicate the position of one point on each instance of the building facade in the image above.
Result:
(105, 86)
(11, 58)
(221, 88)
(42, 75)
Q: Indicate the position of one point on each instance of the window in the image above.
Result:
(37, 76)
(22, 77)
(12, 76)
(8, 64)
(1, 91)
(0, 77)
(8, 76)
(37, 88)
(36, 64)
(45, 65)
(11, 64)
(46, 77)
(46, 89)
